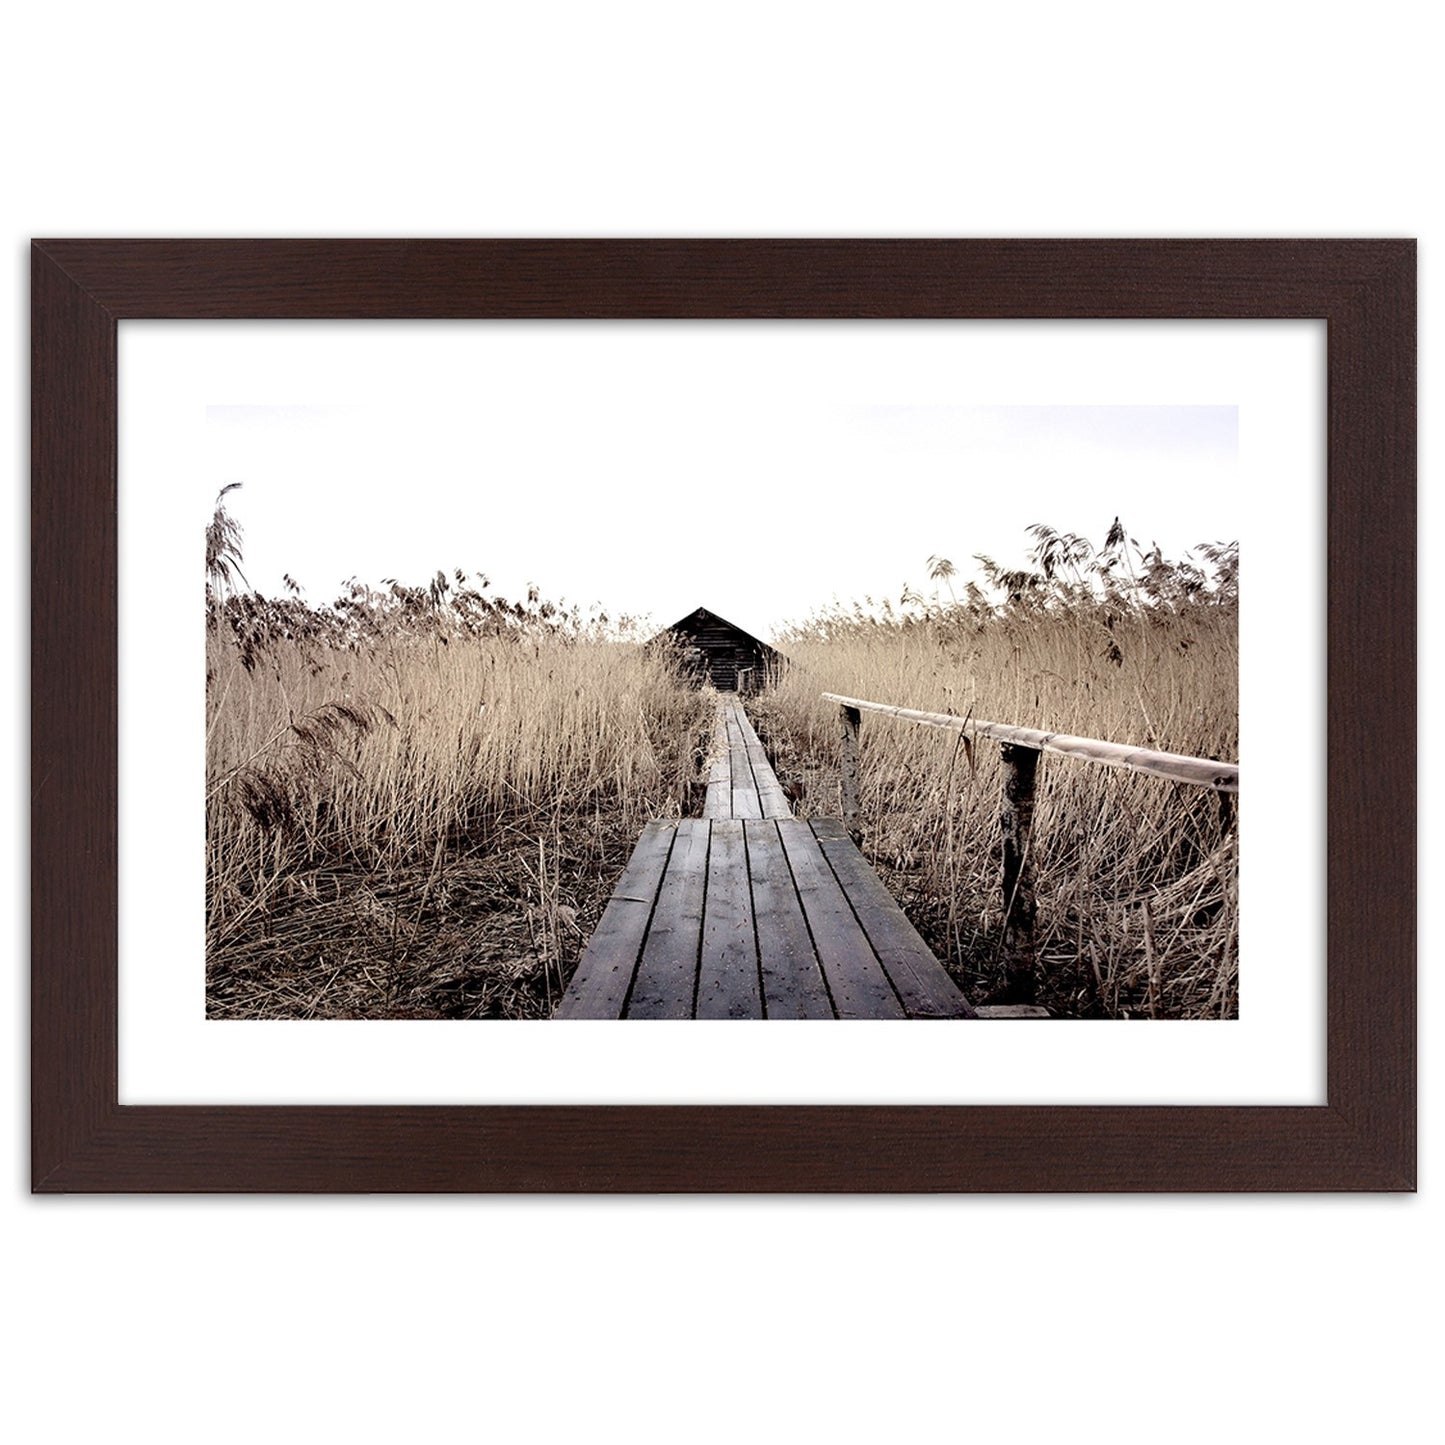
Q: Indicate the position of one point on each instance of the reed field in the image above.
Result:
(1136, 876)
(419, 798)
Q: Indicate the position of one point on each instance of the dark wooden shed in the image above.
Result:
(718, 651)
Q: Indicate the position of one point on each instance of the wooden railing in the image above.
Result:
(1020, 754)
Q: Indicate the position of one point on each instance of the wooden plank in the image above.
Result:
(1012, 1011)
(727, 980)
(793, 986)
(666, 978)
(741, 782)
(1202, 772)
(745, 801)
(916, 974)
(719, 802)
(770, 791)
(774, 800)
(856, 980)
(720, 785)
(720, 774)
(599, 986)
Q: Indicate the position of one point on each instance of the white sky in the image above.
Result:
(653, 469)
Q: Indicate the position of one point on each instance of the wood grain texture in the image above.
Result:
(728, 278)
(728, 986)
(74, 673)
(741, 781)
(720, 918)
(1362, 1138)
(857, 982)
(600, 986)
(793, 986)
(1371, 728)
(918, 979)
(771, 798)
(665, 985)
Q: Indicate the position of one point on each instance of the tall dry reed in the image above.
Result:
(1137, 877)
(387, 773)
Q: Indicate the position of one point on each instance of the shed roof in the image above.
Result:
(701, 617)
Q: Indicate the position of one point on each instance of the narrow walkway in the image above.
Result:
(741, 782)
(749, 913)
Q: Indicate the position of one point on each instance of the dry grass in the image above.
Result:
(1137, 877)
(416, 812)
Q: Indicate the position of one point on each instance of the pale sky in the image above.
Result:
(634, 477)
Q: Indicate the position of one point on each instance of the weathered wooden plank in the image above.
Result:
(720, 771)
(775, 803)
(1012, 1011)
(1202, 772)
(666, 979)
(770, 791)
(856, 980)
(793, 986)
(742, 768)
(727, 980)
(599, 986)
(720, 781)
(742, 794)
(746, 802)
(917, 976)
(741, 782)
(719, 802)
(774, 800)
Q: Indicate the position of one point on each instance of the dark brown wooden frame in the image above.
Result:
(1362, 1139)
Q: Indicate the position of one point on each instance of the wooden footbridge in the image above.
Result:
(750, 913)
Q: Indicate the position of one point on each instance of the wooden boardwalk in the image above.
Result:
(741, 782)
(749, 913)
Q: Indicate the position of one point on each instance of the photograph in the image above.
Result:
(604, 694)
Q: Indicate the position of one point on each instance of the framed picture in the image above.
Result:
(755, 412)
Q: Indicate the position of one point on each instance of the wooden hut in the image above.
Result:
(718, 651)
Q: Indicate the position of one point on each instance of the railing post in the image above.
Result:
(851, 719)
(1020, 767)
